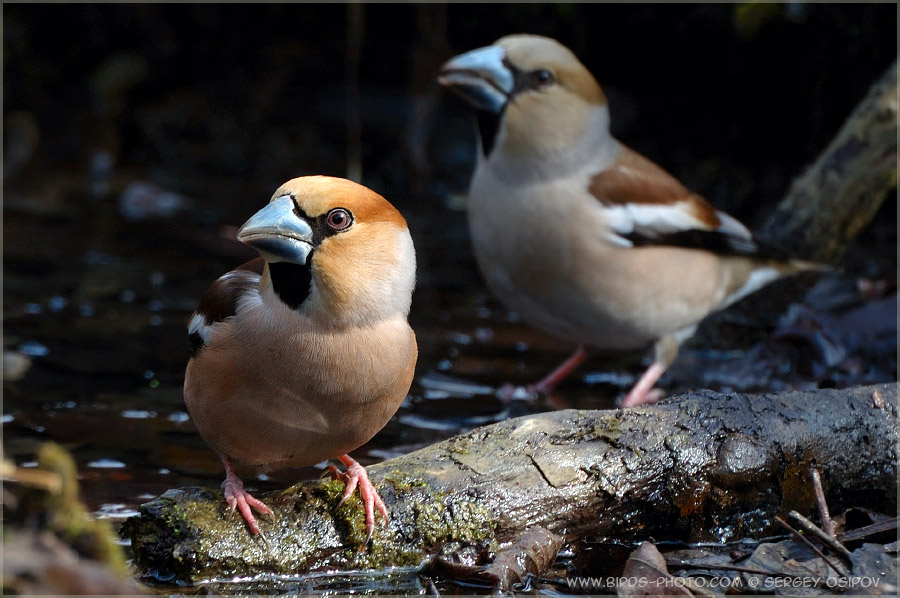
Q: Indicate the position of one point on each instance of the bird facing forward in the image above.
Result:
(305, 353)
(586, 239)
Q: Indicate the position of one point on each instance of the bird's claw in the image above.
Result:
(352, 483)
(239, 499)
(265, 540)
(333, 472)
(356, 477)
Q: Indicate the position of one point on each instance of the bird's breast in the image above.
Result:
(276, 396)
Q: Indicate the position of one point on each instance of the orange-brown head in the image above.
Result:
(334, 249)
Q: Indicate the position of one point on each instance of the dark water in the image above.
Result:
(122, 197)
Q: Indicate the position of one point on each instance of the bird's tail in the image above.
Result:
(757, 273)
(794, 266)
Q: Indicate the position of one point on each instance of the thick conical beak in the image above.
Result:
(480, 77)
(278, 233)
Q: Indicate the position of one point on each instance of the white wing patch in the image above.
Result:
(657, 220)
(223, 300)
(654, 220)
(199, 326)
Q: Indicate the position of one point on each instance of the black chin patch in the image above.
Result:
(291, 281)
(488, 126)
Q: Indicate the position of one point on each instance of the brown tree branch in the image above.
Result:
(840, 193)
(696, 467)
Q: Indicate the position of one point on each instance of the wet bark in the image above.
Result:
(840, 193)
(700, 466)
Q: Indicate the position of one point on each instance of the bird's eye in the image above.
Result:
(542, 78)
(339, 219)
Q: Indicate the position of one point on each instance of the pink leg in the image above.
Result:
(241, 500)
(357, 476)
(548, 382)
(643, 393)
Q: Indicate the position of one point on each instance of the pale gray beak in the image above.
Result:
(480, 77)
(278, 233)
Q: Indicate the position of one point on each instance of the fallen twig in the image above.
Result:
(800, 537)
(867, 532)
(824, 515)
(830, 541)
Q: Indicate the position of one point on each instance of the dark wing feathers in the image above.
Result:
(717, 242)
(648, 206)
(221, 298)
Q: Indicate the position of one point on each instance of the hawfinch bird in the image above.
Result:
(305, 353)
(586, 239)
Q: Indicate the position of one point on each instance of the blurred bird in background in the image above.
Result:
(586, 239)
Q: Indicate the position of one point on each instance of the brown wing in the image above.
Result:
(221, 298)
(646, 205)
(633, 179)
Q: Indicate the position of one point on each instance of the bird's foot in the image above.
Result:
(357, 477)
(545, 386)
(240, 500)
(643, 392)
(651, 397)
(509, 392)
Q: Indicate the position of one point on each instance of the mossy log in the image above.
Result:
(700, 466)
(840, 193)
